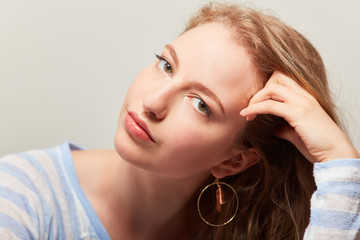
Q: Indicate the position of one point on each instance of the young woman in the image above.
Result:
(216, 140)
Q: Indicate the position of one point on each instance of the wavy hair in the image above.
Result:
(275, 193)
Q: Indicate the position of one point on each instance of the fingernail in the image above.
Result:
(242, 112)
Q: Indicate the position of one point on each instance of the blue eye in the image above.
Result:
(164, 65)
(200, 105)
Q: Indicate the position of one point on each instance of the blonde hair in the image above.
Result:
(275, 193)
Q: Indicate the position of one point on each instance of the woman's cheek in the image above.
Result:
(191, 130)
(191, 137)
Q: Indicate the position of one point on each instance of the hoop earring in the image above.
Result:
(220, 201)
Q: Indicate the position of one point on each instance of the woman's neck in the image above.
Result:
(132, 201)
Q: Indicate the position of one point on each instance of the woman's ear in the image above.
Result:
(241, 160)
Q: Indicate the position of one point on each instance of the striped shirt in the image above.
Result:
(41, 198)
(335, 205)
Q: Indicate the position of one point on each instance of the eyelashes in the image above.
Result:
(200, 105)
(164, 64)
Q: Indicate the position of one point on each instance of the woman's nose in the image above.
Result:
(156, 103)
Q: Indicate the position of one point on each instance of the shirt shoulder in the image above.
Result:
(37, 198)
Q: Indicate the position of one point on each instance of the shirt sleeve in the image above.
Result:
(335, 205)
(18, 218)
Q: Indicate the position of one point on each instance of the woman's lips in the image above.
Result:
(137, 127)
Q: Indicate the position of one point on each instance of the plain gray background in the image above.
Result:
(65, 65)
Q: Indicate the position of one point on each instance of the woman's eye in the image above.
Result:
(200, 105)
(164, 65)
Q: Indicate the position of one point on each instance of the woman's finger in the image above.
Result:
(267, 107)
(274, 92)
(281, 79)
(288, 133)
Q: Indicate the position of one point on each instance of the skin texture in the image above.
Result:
(189, 141)
(140, 190)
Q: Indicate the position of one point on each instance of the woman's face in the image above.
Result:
(189, 98)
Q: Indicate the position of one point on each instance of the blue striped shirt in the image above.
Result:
(335, 205)
(41, 198)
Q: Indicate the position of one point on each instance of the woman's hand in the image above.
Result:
(311, 129)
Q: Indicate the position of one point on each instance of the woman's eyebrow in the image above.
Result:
(208, 93)
(172, 52)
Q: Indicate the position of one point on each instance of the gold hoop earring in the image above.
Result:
(220, 200)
